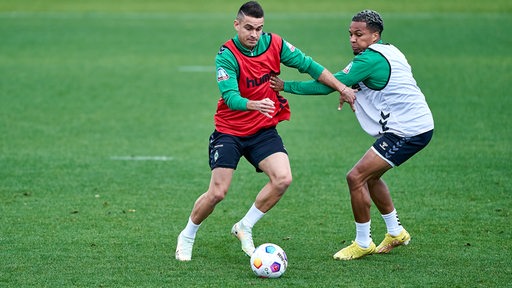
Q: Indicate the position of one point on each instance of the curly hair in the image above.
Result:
(372, 19)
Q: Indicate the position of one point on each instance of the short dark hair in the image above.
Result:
(252, 9)
(372, 19)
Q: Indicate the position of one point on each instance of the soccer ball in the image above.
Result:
(269, 261)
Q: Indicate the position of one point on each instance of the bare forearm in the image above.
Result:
(328, 79)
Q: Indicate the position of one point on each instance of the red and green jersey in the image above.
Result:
(244, 75)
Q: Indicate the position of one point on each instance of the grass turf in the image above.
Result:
(84, 85)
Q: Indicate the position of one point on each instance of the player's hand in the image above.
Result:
(276, 83)
(348, 95)
(265, 106)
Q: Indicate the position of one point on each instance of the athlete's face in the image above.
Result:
(249, 30)
(361, 37)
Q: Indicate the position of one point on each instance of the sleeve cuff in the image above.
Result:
(286, 86)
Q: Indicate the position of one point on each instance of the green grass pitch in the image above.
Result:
(105, 112)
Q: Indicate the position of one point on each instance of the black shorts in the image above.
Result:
(396, 150)
(226, 150)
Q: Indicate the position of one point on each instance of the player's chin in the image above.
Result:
(356, 50)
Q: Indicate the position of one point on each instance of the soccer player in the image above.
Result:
(246, 119)
(390, 107)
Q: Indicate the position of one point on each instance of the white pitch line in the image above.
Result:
(142, 158)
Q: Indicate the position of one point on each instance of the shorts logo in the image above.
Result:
(383, 146)
(222, 74)
(215, 156)
(396, 147)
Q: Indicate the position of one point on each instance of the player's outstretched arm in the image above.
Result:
(347, 94)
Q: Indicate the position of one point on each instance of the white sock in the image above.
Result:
(363, 234)
(252, 216)
(393, 223)
(191, 229)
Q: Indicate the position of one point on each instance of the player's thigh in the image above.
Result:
(277, 166)
(371, 165)
(220, 181)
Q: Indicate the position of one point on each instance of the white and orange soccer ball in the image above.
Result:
(269, 261)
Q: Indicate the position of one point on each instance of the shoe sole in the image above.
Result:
(352, 256)
(183, 259)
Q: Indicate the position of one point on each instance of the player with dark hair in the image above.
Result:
(390, 107)
(246, 119)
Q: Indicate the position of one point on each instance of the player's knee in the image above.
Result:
(217, 194)
(353, 178)
(287, 181)
(282, 182)
(216, 198)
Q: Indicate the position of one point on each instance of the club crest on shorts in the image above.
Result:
(215, 156)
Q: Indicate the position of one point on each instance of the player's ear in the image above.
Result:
(375, 37)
